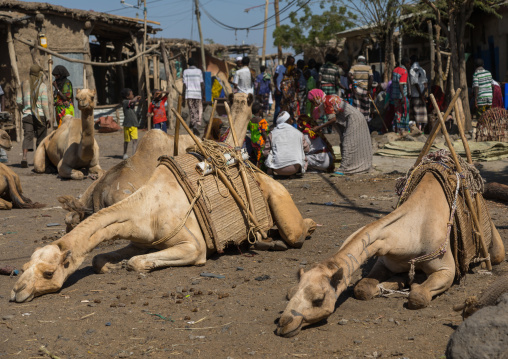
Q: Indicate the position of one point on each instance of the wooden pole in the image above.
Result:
(438, 58)
(50, 94)
(221, 175)
(238, 150)
(169, 78)
(432, 51)
(467, 194)
(14, 66)
(177, 126)
(209, 129)
(203, 59)
(148, 92)
(263, 56)
(277, 24)
(435, 130)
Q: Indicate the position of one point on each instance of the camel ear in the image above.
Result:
(250, 99)
(66, 257)
(300, 273)
(231, 98)
(336, 278)
(78, 91)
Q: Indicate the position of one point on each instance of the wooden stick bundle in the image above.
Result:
(177, 126)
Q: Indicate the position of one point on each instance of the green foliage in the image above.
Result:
(309, 29)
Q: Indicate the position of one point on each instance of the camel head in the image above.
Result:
(44, 273)
(85, 98)
(312, 300)
(5, 140)
(241, 113)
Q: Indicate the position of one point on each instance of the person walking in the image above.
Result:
(482, 88)
(399, 95)
(355, 143)
(360, 79)
(157, 110)
(63, 93)
(194, 93)
(242, 81)
(280, 71)
(35, 111)
(329, 75)
(418, 105)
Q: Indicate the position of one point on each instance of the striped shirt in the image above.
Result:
(361, 74)
(42, 101)
(192, 78)
(329, 73)
(483, 80)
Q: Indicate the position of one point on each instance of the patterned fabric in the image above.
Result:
(42, 101)
(361, 74)
(256, 136)
(305, 125)
(401, 114)
(195, 111)
(497, 99)
(289, 100)
(265, 101)
(483, 80)
(64, 108)
(329, 73)
(158, 108)
(316, 96)
(419, 110)
(399, 76)
(361, 101)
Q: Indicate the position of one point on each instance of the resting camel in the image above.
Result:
(415, 228)
(72, 146)
(149, 214)
(129, 175)
(10, 186)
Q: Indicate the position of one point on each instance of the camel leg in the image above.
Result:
(367, 288)
(106, 262)
(66, 171)
(4, 204)
(183, 254)
(292, 227)
(437, 282)
(18, 187)
(496, 251)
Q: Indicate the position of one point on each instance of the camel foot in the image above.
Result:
(276, 245)
(310, 225)
(139, 265)
(366, 289)
(101, 264)
(419, 297)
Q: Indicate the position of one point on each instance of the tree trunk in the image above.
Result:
(439, 62)
(388, 61)
(460, 28)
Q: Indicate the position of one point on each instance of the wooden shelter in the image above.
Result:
(77, 39)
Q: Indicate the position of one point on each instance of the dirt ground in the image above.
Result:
(175, 312)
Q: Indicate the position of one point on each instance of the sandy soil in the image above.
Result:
(175, 312)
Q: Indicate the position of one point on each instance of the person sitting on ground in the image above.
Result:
(285, 148)
(130, 121)
(320, 156)
(35, 110)
(157, 110)
(258, 127)
(63, 93)
(355, 143)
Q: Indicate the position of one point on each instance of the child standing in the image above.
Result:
(130, 121)
(157, 110)
(258, 127)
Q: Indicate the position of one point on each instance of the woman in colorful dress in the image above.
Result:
(63, 93)
(258, 128)
(355, 143)
(289, 89)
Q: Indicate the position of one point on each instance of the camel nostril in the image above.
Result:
(285, 321)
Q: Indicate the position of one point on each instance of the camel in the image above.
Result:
(149, 214)
(72, 146)
(415, 228)
(129, 175)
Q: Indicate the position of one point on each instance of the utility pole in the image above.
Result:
(264, 34)
(277, 24)
(203, 60)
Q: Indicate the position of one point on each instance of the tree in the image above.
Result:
(313, 30)
(383, 18)
(452, 16)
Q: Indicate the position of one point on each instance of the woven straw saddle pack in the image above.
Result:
(464, 240)
(221, 219)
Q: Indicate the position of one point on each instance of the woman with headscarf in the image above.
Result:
(355, 143)
(35, 110)
(320, 156)
(63, 93)
(285, 148)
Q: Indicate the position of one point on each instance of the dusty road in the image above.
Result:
(175, 312)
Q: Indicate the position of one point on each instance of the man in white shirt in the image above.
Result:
(418, 105)
(243, 78)
(194, 92)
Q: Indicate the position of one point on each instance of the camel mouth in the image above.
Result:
(281, 333)
(284, 329)
(6, 148)
(19, 297)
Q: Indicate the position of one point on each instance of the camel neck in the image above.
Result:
(240, 125)
(87, 135)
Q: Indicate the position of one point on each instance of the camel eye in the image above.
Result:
(48, 275)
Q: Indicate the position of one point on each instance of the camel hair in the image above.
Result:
(163, 203)
(10, 185)
(128, 176)
(417, 227)
(72, 146)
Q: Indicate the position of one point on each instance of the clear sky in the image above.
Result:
(178, 21)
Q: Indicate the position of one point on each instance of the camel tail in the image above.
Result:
(72, 204)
